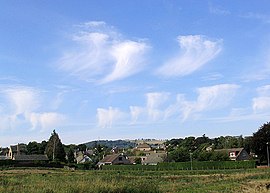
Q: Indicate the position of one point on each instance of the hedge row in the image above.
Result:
(14, 163)
(204, 165)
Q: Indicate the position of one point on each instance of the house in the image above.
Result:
(236, 154)
(4, 153)
(143, 147)
(30, 158)
(83, 156)
(83, 159)
(19, 149)
(150, 158)
(154, 158)
(114, 159)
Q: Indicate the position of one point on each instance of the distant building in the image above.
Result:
(19, 149)
(236, 154)
(150, 158)
(115, 159)
(4, 153)
(143, 147)
(83, 159)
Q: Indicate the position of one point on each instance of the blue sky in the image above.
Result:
(132, 69)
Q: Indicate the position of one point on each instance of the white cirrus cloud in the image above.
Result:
(153, 110)
(136, 112)
(261, 103)
(48, 120)
(129, 60)
(21, 99)
(154, 103)
(108, 117)
(196, 51)
(209, 98)
(215, 96)
(21, 106)
(102, 55)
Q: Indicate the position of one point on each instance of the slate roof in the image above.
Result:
(31, 157)
(109, 158)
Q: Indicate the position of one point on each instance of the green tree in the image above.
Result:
(180, 154)
(33, 148)
(260, 140)
(82, 147)
(70, 156)
(42, 147)
(138, 160)
(219, 156)
(55, 149)
(204, 156)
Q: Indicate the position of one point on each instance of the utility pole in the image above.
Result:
(267, 149)
(191, 167)
(54, 140)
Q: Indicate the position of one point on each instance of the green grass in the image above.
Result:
(64, 181)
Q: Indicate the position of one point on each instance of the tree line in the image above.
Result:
(178, 150)
(201, 148)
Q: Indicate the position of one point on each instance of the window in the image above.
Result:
(232, 154)
(120, 159)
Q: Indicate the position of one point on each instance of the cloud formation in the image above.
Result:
(209, 98)
(22, 109)
(261, 103)
(108, 117)
(102, 55)
(160, 105)
(196, 51)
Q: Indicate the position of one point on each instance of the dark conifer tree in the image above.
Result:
(55, 149)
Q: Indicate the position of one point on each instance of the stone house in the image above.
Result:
(143, 147)
(19, 149)
(114, 159)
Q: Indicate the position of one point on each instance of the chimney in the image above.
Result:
(18, 149)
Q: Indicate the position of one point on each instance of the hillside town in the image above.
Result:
(139, 152)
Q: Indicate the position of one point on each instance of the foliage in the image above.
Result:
(111, 144)
(138, 160)
(70, 156)
(36, 148)
(82, 147)
(180, 154)
(55, 149)
(219, 156)
(260, 140)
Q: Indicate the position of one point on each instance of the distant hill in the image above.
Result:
(111, 144)
(148, 141)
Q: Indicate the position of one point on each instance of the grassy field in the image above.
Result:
(60, 180)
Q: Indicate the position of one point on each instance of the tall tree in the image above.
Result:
(55, 149)
(33, 148)
(260, 140)
(70, 156)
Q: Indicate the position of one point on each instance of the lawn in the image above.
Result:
(60, 181)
